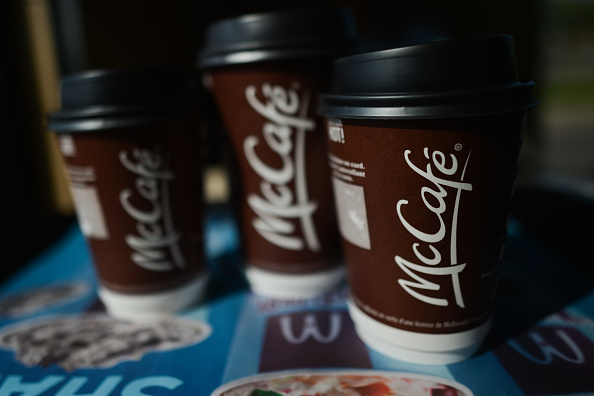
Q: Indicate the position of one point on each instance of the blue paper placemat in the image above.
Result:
(55, 338)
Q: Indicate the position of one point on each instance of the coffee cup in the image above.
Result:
(424, 143)
(264, 72)
(132, 152)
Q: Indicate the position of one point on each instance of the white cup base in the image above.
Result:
(284, 286)
(148, 307)
(420, 348)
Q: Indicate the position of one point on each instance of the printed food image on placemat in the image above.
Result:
(96, 341)
(33, 301)
(342, 383)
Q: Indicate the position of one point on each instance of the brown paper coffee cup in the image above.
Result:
(423, 176)
(265, 72)
(131, 149)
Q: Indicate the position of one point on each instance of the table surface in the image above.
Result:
(55, 338)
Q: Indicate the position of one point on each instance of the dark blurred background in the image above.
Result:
(42, 40)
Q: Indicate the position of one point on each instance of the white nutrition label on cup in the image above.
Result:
(352, 213)
(90, 213)
(87, 203)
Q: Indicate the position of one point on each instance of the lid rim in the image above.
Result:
(92, 124)
(424, 112)
(115, 110)
(290, 42)
(498, 90)
(228, 58)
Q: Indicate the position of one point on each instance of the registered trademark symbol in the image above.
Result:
(458, 147)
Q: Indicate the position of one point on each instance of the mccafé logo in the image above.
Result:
(442, 178)
(284, 132)
(156, 235)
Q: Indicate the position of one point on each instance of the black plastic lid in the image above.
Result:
(105, 99)
(312, 32)
(441, 79)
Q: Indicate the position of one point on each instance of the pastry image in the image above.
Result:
(38, 300)
(96, 341)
